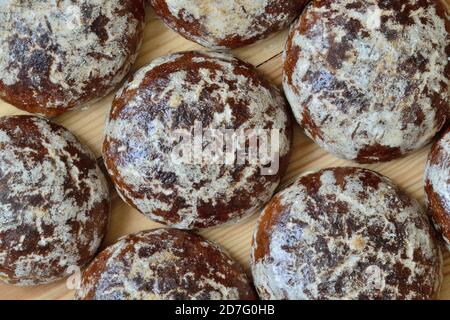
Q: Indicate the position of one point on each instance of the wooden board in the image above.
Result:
(307, 156)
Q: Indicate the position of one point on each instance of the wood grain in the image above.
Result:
(307, 156)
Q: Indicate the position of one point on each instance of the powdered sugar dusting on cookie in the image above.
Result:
(171, 94)
(227, 23)
(345, 233)
(60, 54)
(368, 80)
(164, 264)
(437, 185)
(224, 18)
(54, 204)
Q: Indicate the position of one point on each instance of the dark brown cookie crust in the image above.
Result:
(345, 233)
(61, 55)
(437, 185)
(368, 80)
(164, 264)
(54, 201)
(227, 24)
(172, 93)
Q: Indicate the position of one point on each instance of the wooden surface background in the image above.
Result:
(266, 56)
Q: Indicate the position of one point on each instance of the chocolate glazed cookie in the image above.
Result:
(180, 92)
(368, 80)
(59, 55)
(164, 264)
(227, 23)
(437, 185)
(54, 201)
(345, 233)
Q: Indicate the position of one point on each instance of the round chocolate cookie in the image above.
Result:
(164, 264)
(437, 185)
(345, 233)
(59, 55)
(54, 201)
(368, 80)
(198, 102)
(227, 23)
